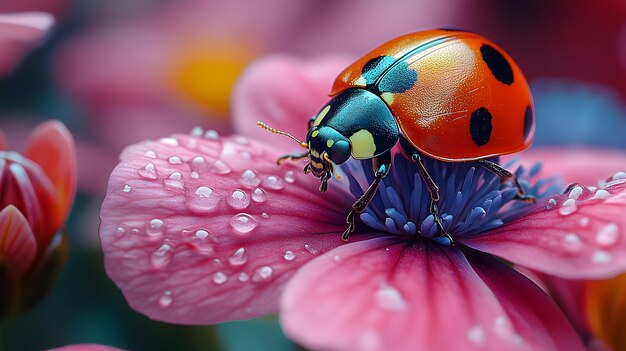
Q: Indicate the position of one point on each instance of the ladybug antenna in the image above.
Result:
(276, 131)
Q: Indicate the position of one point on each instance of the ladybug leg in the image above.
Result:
(504, 175)
(433, 189)
(382, 164)
(291, 157)
(310, 122)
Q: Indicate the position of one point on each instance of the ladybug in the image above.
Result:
(450, 95)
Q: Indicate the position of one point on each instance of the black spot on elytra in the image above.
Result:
(398, 79)
(498, 65)
(529, 120)
(375, 67)
(480, 126)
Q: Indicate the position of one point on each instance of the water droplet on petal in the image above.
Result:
(601, 257)
(166, 299)
(175, 160)
(584, 222)
(336, 258)
(238, 258)
(238, 199)
(289, 255)
(174, 181)
(245, 155)
(243, 223)
(127, 188)
(220, 168)
(243, 277)
(197, 131)
(203, 200)
(619, 175)
(201, 234)
(568, 207)
(250, 178)
(149, 171)
(290, 177)
(134, 231)
(120, 231)
(242, 140)
(476, 335)
(390, 298)
(265, 215)
(608, 235)
(262, 273)
(161, 257)
(572, 243)
(169, 141)
(194, 175)
(600, 194)
(273, 182)
(220, 278)
(310, 249)
(211, 134)
(550, 204)
(155, 227)
(259, 195)
(150, 154)
(199, 164)
(503, 327)
(575, 192)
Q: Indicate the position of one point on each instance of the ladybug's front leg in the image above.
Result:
(382, 164)
(504, 175)
(291, 157)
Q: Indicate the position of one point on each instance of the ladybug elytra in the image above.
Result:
(450, 95)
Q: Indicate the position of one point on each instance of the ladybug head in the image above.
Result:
(326, 147)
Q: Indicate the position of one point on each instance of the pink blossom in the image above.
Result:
(199, 229)
(20, 32)
(37, 193)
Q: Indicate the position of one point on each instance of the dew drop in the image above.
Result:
(600, 194)
(201, 234)
(149, 171)
(336, 258)
(197, 131)
(150, 154)
(175, 160)
(608, 235)
(273, 182)
(239, 258)
(503, 327)
(265, 215)
(155, 227)
(245, 155)
(584, 222)
(568, 207)
(259, 195)
(476, 335)
(174, 181)
(551, 204)
(195, 175)
(572, 243)
(242, 140)
(161, 257)
(220, 278)
(166, 299)
(262, 273)
(619, 175)
(211, 134)
(289, 255)
(290, 177)
(220, 167)
(127, 188)
(243, 223)
(243, 277)
(134, 231)
(169, 141)
(238, 199)
(199, 164)
(203, 200)
(310, 249)
(601, 257)
(390, 298)
(250, 178)
(120, 231)
(575, 192)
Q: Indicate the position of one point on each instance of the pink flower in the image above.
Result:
(198, 229)
(37, 193)
(20, 32)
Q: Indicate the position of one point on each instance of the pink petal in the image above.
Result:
(382, 294)
(51, 146)
(284, 93)
(17, 242)
(19, 32)
(581, 237)
(85, 347)
(173, 235)
(582, 165)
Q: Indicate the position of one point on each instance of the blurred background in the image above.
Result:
(117, 72)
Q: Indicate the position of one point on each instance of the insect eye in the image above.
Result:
(340, 152)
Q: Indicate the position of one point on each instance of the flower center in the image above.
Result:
(472, 199)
